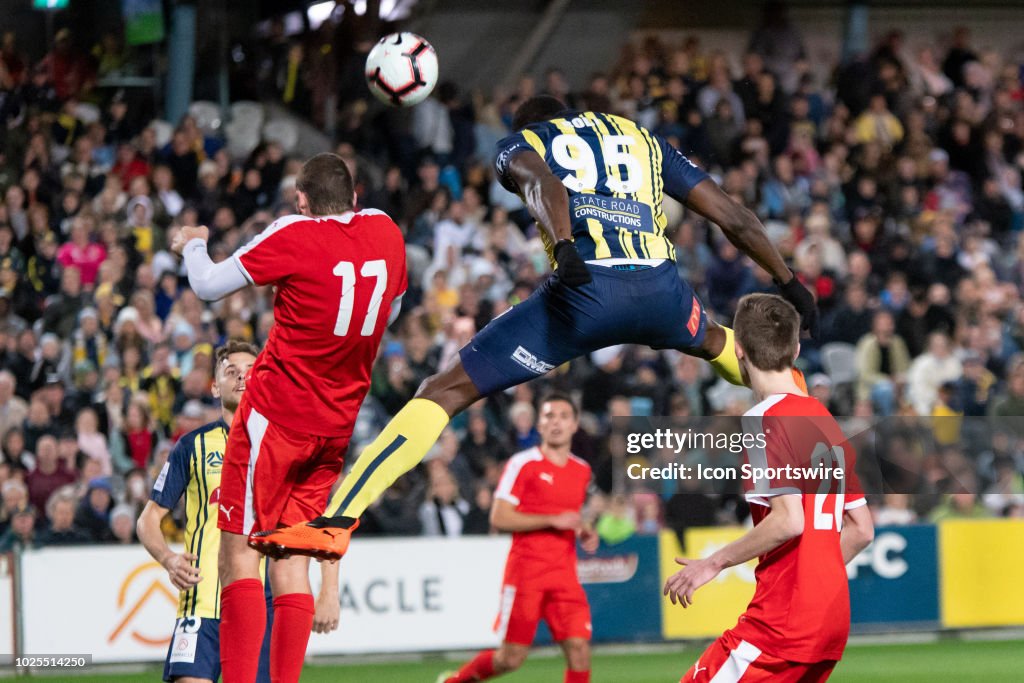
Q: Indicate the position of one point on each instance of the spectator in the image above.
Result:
(141, 439)
(14, 452)
(93, 515)
(21, 534)
(13, 499)
(477, 522)
(85, 255)
(444, 511)
(929, 371)
(481, 447)
(524, 433)
(50, 473)
(20, 363)
(88, 342)
(1008, 407)
(852, 319)
(883, 362)
(122, 525)
(91, 441)
(62, 309)
(820, 240)
(960, 54)
(878, 125)
(38, 423)
(161, 382)
(61, 529)
(13, 408)
(183, 161)
(959, 506)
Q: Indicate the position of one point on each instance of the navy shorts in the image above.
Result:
(651, 306)
(194, 650)
(204, 660)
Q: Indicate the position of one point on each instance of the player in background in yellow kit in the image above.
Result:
(193, 470)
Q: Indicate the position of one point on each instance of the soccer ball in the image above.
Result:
(401, 69)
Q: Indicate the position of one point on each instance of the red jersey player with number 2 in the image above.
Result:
(796, 626)
(338, 274)
(539, 499)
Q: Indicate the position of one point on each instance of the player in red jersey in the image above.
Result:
(797, 623)
(539, 499)
(338, 274)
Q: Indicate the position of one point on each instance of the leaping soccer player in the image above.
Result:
(594, 182)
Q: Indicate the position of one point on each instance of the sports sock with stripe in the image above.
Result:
(577, 676)
(400, 447)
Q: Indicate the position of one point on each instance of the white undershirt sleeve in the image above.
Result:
(396, 308)
(209, 280)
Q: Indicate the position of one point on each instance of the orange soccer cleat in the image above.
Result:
(325, 538)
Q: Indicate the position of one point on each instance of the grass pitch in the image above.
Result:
(959, 661)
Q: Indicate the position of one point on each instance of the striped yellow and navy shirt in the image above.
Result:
(193, 469)
(616, 173)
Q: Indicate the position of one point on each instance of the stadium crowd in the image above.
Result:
(895, 188)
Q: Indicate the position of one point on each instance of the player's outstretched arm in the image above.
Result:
(783, 523)
(546, 198)
(745, 231)
(209, 280)
(178, 565)
(505, 517)
(858, 531)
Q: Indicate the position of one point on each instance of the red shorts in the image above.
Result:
(563, 605)
(732, 660)
(274, 476)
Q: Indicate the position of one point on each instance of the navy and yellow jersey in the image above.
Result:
(616, 173)
(193, 469)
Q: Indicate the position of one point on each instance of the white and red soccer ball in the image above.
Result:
(401, 69)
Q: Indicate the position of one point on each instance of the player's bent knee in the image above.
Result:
(290, 576)
(451, 389)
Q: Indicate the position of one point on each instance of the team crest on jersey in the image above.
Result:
(530, 361)
(215, 459)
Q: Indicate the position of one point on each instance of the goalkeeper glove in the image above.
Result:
(572, 270)
(795, 293)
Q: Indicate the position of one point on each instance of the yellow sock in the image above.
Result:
(400, 447)
(727, 365)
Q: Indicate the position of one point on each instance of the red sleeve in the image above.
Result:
(512, 482)
(274, 254)
(769, 452)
